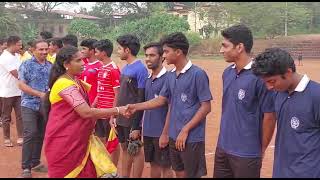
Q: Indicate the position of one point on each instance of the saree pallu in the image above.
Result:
(70, 148)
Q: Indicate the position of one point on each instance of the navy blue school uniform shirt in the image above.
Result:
(297, 146)
(155, 119)
(132, 80)
(245, 99)
(185, 93)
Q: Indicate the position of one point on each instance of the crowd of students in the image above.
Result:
(72, 100)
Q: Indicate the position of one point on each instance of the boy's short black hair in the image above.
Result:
(88, 43)
(273, 61)
(12, 40)
(104, 45)
(55, 41)
(157, 45)
(239, 34)
(46, 35)
(130, 41)
(70, 39)
(177, 41)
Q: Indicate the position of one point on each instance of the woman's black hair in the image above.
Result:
(65, 55)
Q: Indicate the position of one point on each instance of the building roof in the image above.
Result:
(78, 15)
(61, 12)
(179, 7)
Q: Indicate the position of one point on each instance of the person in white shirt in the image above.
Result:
(3, 46)
(9, 91)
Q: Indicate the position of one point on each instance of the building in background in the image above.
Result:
(194, 16)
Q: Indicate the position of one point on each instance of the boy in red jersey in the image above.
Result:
(108, 88)
(90, 72)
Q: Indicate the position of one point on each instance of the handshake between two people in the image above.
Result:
(127, 111)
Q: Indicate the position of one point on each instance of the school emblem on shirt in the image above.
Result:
(295, 122)
(184, 97)
(241, 94)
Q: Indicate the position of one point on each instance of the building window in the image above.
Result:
(60, 28)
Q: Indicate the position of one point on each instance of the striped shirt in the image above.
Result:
(108, 79)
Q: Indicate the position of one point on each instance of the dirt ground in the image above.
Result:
(10, 158)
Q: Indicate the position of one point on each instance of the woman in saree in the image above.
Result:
(70, 148)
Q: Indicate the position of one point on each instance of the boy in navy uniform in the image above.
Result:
(247, 120)
(297, 105)
(188, 93)
(155, 131)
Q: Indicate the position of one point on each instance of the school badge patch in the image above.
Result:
(295, 122)
(241, 94)
(184, 97)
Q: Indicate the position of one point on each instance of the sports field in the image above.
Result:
(10, 158)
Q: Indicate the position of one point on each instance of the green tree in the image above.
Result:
(8, 25)
(29, 32)
(267, 18)
(151, 28)
(216, 18)
(85, 29)
(194, 39)
(314, 15)
(105, 11)
(156, 7)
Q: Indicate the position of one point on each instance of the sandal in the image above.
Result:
(40, 168)
(8, 143)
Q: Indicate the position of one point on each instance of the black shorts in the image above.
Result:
(124, 135)
(230, 166)
(102, 128)
(153, 153)
(192, 160)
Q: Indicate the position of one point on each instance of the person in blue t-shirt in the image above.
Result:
(248, 118)
(188, 93)
(132, 90)
(155, 130)
(297, 105)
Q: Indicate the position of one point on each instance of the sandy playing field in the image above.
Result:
(10, 158)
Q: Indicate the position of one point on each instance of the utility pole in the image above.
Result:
(286, 21)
